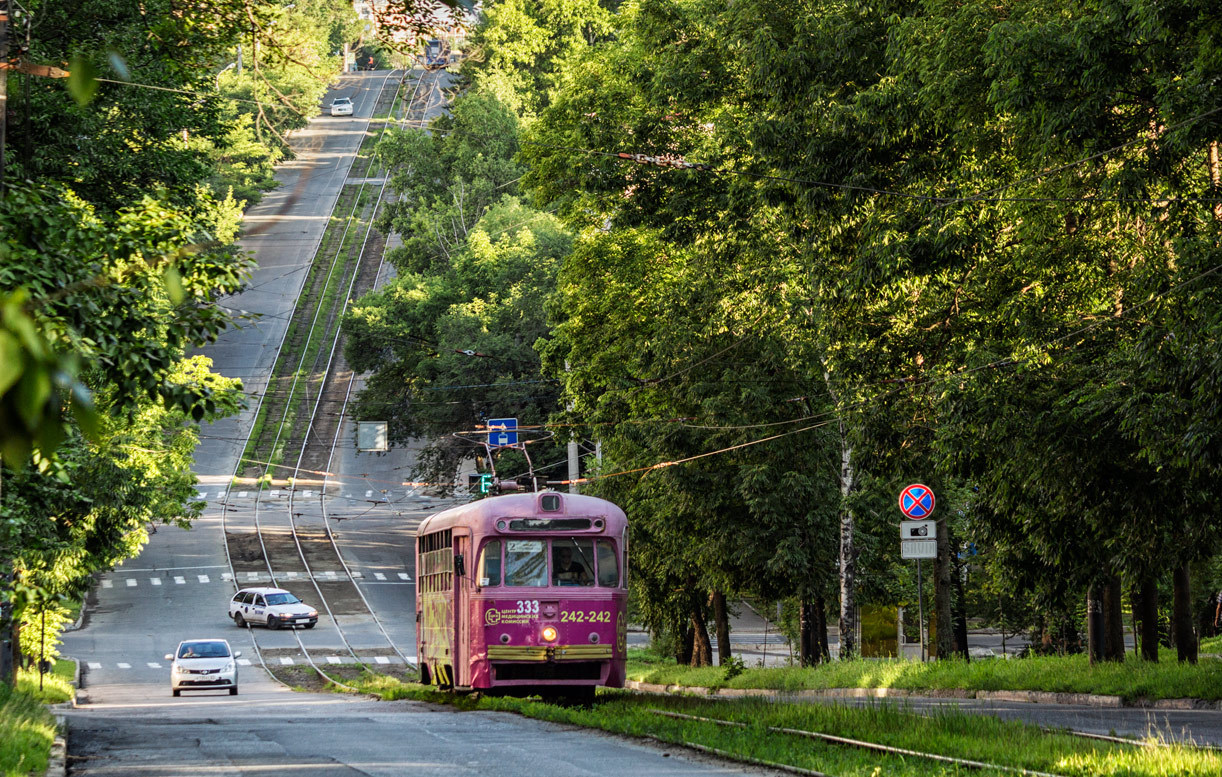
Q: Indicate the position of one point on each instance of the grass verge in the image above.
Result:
(26, 733)
(1132, 679)
(947, 733)
(56, 684)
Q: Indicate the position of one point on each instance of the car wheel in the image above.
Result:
(239, 620)
(273, 624)
(309, 625)
(233, 691)
(175, 691)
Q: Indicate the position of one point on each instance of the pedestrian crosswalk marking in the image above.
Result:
(131, 582)
(226, 576)
(94, 665)
(203, 578)
(368, 493)
(108, 584)
(243, 662)
(381, 659)
(291, 575)
(124, 666)
(154, 665)
(155, 580)
(309, 494)
(242, 494)
(286, 661)
(405, 576)
(334, 660)
(379, 576)
(179, 580)
(251, 575)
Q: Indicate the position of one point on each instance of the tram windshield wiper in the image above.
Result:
(589, 564)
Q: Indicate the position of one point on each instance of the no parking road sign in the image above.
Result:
(916, 502)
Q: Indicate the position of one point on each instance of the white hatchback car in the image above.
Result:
(272, 607)
(341, 106)
(203, 665)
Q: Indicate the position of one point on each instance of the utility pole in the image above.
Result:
(7, 673)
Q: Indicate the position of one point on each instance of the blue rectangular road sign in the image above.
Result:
(501, 432)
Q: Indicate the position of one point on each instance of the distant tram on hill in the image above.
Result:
(523, 593)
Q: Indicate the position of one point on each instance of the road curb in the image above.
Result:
(57, 761)
(1025, 697)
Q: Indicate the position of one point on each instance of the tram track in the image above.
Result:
(292, 548)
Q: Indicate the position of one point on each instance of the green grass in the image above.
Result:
(56, 684)
(1212, 644)
(950, 733)
(1132, 679)
(26, 733)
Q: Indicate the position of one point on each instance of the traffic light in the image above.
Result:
(481, 482)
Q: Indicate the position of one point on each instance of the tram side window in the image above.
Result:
(608, 564)
(573, 562)
(525, 563)
(490, 564)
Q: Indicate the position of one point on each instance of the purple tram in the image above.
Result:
(523, 593)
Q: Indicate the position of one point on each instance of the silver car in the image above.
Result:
(341, 106)
(203, 665)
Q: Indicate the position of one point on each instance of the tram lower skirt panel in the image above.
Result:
(569, 670)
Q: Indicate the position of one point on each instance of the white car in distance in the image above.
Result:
(341, 106)
(203, 665)
(271, 607)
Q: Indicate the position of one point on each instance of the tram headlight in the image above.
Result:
(549, 634)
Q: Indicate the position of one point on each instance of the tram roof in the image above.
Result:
(481, 513)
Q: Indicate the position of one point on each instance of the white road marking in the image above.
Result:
(94, 665)
(243, 662)
(154, 665)
(131, 582)
(381, 659)
(154, 581)
(108, 584)
(357, 574)
(179, 580)
(220, 494)
(334, 660)
(226, 576)
(286, 661)
(368, 493)
(309, 494)
(379, 576)
(405, 576)
(204, 579)
(201, 494)
(330, 573)
(124, 666)
(243, 494)
(252, 575)
(291, 575)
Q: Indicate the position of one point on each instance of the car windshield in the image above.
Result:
(203, 650)
(342, 101)
(275, 599)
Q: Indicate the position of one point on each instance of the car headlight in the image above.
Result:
(313, 614)
(176, 669)
(228, 667)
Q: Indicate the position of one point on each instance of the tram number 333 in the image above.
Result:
(578, 616)
(528, 606)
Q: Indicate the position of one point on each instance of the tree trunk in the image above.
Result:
(820, 613)
(808, 644)
(1215, 176)
(1181, 626)
(1147, 605)
(702, 648)
(683, 645)
(959, 604)
(721, 620)
(1113, 621)
(1094, 624)
(945, 636)
(848, 554)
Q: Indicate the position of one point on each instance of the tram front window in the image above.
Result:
(608, 564)
(525, 563)
(490, 564)
(572, 562)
